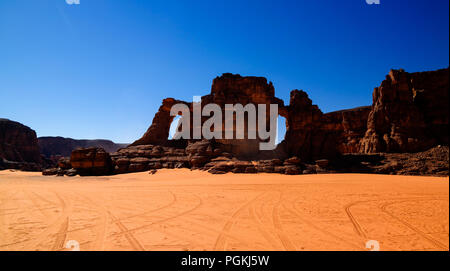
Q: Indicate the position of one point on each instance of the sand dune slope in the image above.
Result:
(193, 210)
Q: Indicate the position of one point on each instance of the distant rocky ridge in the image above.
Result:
(60, 146)
(21, 149)
(405, 131)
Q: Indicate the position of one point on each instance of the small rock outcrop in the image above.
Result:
(91, 161)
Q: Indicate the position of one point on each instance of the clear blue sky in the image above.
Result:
(100, 69)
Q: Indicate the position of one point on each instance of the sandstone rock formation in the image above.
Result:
(310, 134)
(409, 113)
(227, 89)
(91, 161)
(306, 135)
(348, 127)
(433, 162)
(18, 146)
(158, 132)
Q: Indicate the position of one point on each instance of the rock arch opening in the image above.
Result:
(173, 127)
(281, 129)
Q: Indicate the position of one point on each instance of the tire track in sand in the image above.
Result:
(104, 215)
(200, 202)
(356, 226)
(435, 242)
(58, 225)
(6, 218)
(293, 210)
(128, 235)
(64, 226)
(36, 206)
(221, 241)
(100, 228)
(263, 228)
(61, 236)
(288, 245)
(172, 202)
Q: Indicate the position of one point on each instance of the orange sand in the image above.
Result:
(193, 210)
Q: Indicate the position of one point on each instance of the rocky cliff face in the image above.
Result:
(306, 135)
(60, 146)
(235, 89)
(313, 135)
(348, 127)
(409, 113)
(18, 146)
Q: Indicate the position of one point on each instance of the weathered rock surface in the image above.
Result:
(409, 113)
(226, 89)
(148, 157)
(91, 161)
(19, 148)
(433, 162)
(306, 135)
(59, 172)
(50, 171)
(158, 132)
(348, 127)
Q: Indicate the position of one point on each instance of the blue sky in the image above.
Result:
(100, 69)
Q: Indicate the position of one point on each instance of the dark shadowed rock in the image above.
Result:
(292, 170)
(409, 113)
(306, 136)
(50, 172)
(323, 163)
(348, 127)
(292, 161)
(18, 146)
(71, 172)
(433, 162)
(91, 161)
(64, 163)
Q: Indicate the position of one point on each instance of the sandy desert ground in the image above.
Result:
(193, 210)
